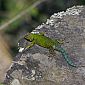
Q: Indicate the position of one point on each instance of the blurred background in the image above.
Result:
(17, 17)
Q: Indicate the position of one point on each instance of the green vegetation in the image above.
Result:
(1, 84)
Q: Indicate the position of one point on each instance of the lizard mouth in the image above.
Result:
(26, 38)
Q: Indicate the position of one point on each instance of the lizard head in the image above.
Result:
(28, 37)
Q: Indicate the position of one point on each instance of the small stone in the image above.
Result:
(33, 78)
(33, 72)
(15, 82)
(21, 49)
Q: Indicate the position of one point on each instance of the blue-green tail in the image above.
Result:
(65, 55)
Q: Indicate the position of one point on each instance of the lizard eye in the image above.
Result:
(28, 37)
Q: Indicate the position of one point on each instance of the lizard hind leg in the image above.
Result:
(60, 41)
(51, 54)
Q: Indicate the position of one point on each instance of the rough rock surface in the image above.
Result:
(33, 66)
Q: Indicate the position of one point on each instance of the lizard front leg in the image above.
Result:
(31, 45)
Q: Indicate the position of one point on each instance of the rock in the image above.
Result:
(33, 66)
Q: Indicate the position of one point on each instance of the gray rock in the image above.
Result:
(33, 66)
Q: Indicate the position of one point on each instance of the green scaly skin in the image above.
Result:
(48, 43)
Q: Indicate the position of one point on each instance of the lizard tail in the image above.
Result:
(65, 55)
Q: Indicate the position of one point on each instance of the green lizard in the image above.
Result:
(48, 43)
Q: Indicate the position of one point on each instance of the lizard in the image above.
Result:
(46, 42)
